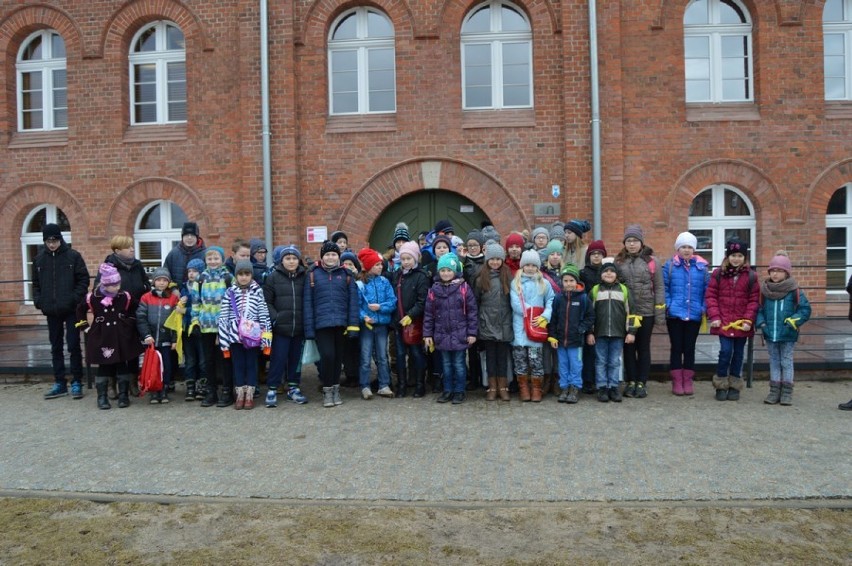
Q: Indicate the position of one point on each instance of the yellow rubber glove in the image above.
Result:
(368, 325)
(792, 321)
(553, 340)
(405, 321)
(737, 324)
(266, 335)
(542, 323)
(635, 320)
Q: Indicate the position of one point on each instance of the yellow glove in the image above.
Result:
(737, 324)
(266, 335)
(405, 321)
(542, 323)
(368, 325)
(553, 340)
(635, 320)
(81, 324)
(792, 322)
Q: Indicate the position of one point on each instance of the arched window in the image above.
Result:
(32, 240)
(42, 83)
(838, 239)
(157, 231)
(361, 63)
(717, 52)
(158, 75)
(496, 51)
(837, 49)
(716, 215)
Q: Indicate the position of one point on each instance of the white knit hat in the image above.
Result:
(685, 239)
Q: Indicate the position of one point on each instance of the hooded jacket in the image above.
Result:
(532, 298)
(377, 290)
(573, 317)
(772, 316)
(411, 289)
(641, 274)
(331, 299)
(60, 280)
(686, 283)
(151, 314)
(451, 315)
(284, 292)
(178, 258)
(731, 297)
(495, 311)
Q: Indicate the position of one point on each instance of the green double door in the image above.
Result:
(421, 210)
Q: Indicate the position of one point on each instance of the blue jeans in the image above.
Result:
(570, 367)
(166, 353)
(60, 329)
(285, 360)
(194, 365)
(417, 360)
(245, 365)
(608, 353)
(730, 356)
(455, 372)
(374, 340)
(780, 361)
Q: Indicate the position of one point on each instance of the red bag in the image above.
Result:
(412, 335)
(151, 375)
(534, 332)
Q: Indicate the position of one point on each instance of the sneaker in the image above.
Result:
(445, 397)
(366, 393)
(603, 395)
(58, 390)
(563, 397)
(385, 392)
(76, 390)
(630, 389)
(294, 394)
(271, 399)
(641, 391)
(614, 394)
(164, 397)
(458, 397)
(153, 400)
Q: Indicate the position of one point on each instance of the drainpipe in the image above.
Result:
(264, 112)
(596, 122)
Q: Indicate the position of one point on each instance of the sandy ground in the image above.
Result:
(71, 531)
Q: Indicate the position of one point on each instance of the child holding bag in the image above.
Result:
(377, 302)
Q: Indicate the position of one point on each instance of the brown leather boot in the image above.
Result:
(546, 383)
(524, 387)
(503, 388)
(536, 390)
(491, 392)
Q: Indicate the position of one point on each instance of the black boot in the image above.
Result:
(103, 396)
(190, 392)
(123, 391)
(401, 384)
(226, 399)
(210, 397)
(419, 383)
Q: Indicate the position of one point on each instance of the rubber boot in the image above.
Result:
(123, 391)
(524, 387)
(786, 394)
(402, 384)
(735, 385)
(688, 375)
(112, 389)
(677, 381)
(491, 392)
(536, 390)
(335, 392)
(720, 384)
(774, 393)
(327, 397)
(503, 388)
(248, 405)
(419, 383)
(103, 397)
(240, 401)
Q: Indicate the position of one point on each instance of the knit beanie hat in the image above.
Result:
(514, 239)
(243, 265)
(555, 247)
(337, 234)
(781, 261)
(530, 257)
(456, 242)
(450, 261)
(736, 246)
(490, 233)
(256, 245)
(412, 249)
(161, 272)
(280, 251)
(476, 236)
(51, 231)
(595, 246)
(494, 251)
(544, 231)
(190, 228)
(608, 264)
(350, 255)
(195, 264)
(571, 270)
(443, 226)
(557, 232)
(444, 239)
(369, 258)
(109, 274)
(329, 246)
(634, 231)
(217, 249)
(401, 233)
(685, 239)
(579, 227)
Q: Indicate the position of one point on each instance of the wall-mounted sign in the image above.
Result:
(317, 234)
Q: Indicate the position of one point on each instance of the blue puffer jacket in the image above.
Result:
(773, 312)
(331, 299)
(685, 287)
(533, 297)
(377, 290)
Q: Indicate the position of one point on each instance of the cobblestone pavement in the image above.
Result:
(659, 448)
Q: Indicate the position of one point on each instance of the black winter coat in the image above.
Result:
(284, 292)
(60, 280)
(573, 317)
(411, 290)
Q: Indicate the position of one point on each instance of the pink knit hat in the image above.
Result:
(410, 248)
(781, 261)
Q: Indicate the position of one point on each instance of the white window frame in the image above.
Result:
(36, 239)
(715, 32)
(719, 223)
(842, 221)
(160, 57)
(843, 28)
(362, 45)
(496, 38)
(167, 235)
(46, 66)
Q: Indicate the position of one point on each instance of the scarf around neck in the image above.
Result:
(777, 291)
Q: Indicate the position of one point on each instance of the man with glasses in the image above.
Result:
(60, 281)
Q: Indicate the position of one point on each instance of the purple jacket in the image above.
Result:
(451, 315)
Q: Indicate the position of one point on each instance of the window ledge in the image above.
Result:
(512, 118)
(724, 112)
(360, 123)
(50, 138)
(838, 110)
(155, 133)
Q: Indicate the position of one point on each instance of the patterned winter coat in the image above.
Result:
(686, 283)
(451, 315)
(532, 298)
(213, 284)
(732, 296)
(112, 337)
(285, 297)
(153, 310)
(250, 305)
(377, 290)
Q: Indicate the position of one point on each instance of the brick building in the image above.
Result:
(719, 116)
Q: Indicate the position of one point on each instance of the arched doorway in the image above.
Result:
(420, 210)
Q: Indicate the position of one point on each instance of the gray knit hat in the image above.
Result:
(490, 233)
(243, 265)
(530, 257)
(542, 231)
(161, 272)
(494, 251)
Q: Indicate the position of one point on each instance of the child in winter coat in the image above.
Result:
(377, 302)
(685, 276)
(732, 299)
(529, 289)
(450, 325)
(590, 276)
(112, 340)
(492, 287)
(194, 365)
(783, 310)
(551, 267)
(284, 290)
(214, 281)
(331, 317)
(154, 308)
(614, 327)
(411, 285)
(243, 305)
(572, 320)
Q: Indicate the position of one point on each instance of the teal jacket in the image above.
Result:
(773, 314)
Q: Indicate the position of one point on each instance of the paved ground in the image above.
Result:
(658, 449)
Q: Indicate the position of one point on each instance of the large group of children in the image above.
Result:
(530, 314)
